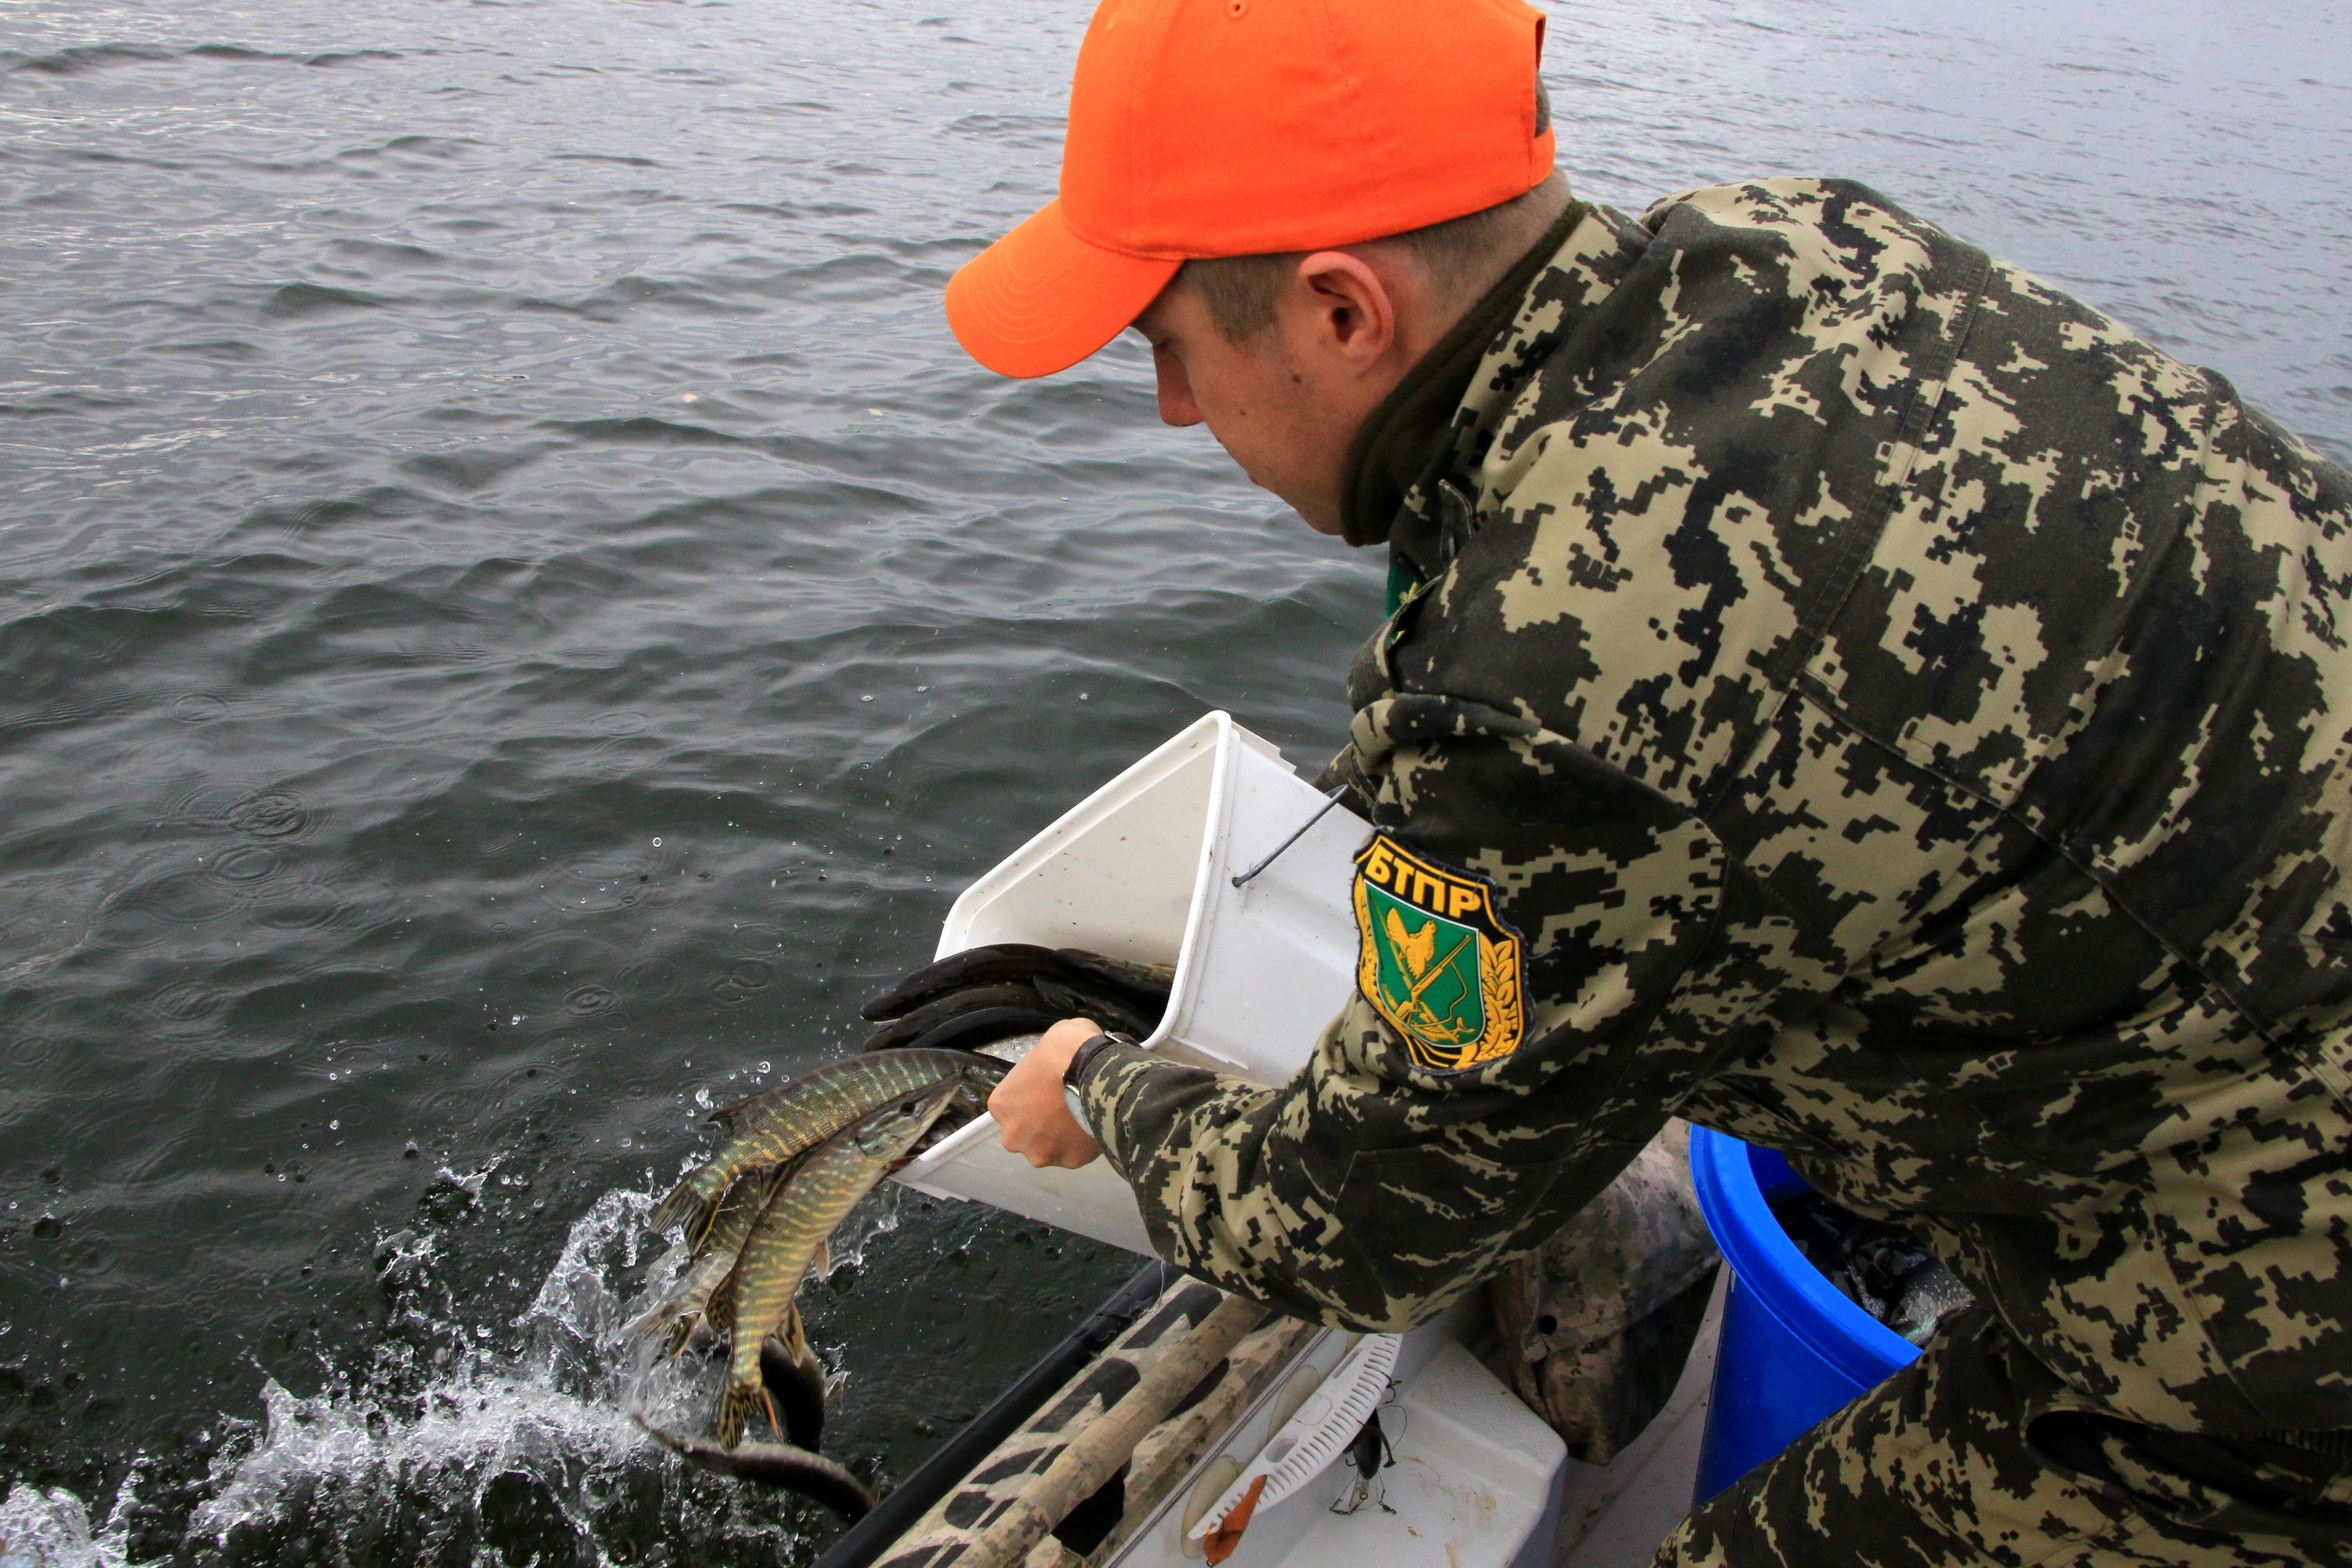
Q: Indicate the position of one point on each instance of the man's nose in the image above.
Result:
(1176, 404)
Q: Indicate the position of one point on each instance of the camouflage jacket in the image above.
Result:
(1866, 702)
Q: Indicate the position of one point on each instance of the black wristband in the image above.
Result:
(1083, 1057)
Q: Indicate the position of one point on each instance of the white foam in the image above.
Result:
(479, 1420)
(44, 1530)
(556, 1416)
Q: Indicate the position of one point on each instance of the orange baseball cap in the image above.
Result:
(1204, 128)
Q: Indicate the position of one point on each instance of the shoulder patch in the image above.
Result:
(1435, 960)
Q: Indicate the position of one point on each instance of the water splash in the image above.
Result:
(481, 1439)
(449, 1452)
(46, 1530)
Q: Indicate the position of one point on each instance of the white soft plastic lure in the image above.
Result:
(1319, 1433)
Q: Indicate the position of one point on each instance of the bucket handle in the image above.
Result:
(1335, 792)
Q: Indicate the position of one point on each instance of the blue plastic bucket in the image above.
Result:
(1792, 1350)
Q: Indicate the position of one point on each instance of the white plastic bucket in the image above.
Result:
(1143, 869)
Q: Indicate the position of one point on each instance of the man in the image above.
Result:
(1840, 691)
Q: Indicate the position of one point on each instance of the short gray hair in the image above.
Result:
(1458, 256)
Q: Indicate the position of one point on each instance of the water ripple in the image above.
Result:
(452, 448)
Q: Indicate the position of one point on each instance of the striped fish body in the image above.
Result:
(690, 1298)
(799, 1218)
(782, 1123)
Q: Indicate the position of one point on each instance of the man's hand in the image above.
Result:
(1033, 1120)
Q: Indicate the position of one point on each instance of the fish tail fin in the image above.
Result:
(685, 1205)
(735, 1402)
(700, 1225)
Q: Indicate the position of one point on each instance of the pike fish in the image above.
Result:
(961, 999)
(1002, 964)
(1012, 1047)
(799, 1217)
(977, 1029)
(1146, 980)
(689, 1300)
(780, 1124)
(910, 1028)
(776, 1464)
(1111, 1010)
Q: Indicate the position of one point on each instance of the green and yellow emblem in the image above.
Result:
(1435, 959)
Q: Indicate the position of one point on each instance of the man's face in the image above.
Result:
(1260, 399)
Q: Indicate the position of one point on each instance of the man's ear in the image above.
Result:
(1347, 308)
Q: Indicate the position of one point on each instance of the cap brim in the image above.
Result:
(1041, 299)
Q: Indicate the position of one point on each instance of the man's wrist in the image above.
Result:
(1074, 1071)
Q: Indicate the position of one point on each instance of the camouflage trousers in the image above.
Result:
(1597, 1321)
(1938, 1466)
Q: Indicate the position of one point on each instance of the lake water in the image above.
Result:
(515, 614)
